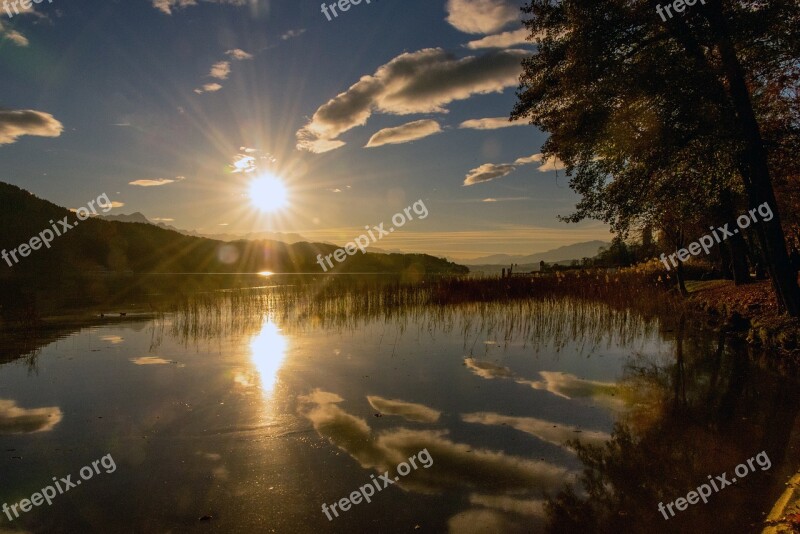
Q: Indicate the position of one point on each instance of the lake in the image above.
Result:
(250, 418)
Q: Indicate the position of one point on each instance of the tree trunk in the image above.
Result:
(738, 266)
(727, 261)
(679, 243)
(755, 169)
(739, 263)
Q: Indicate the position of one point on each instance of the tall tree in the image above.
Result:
(645, 112)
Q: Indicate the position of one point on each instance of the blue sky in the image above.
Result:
(153, 101)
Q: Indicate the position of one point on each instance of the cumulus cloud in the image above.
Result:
(248, 159)
(552, 164)
(416, 82)
(169, 6)
(501, 40)
(16, 123)
(16, 420)
(482, 16)
(239, 54)
(492, 123)
(492, 171)
(156, 182)
(408, 410)
(404, 133)
(220, 70)
(488, 172)
(209, 88)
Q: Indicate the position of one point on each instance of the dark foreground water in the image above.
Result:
(252, 424)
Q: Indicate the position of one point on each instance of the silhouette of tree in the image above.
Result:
(648, 113)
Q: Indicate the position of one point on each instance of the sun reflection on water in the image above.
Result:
(268, 349)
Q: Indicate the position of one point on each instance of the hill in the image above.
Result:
(99, 245)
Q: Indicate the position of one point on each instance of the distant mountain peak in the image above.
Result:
(576, 251)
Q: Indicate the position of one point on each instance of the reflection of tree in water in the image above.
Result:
(703, 413)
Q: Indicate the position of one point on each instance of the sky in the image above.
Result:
(174, 107)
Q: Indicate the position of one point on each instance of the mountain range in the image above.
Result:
(577, 251)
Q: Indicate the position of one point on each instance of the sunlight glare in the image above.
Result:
(268, 193)
(268, 349)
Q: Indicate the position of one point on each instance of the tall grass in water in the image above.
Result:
(587, 306)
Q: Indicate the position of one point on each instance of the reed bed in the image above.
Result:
(591, 307)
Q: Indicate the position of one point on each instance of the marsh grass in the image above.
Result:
(592, 307)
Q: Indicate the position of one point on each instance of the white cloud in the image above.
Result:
(15, 37)
(482, 16)
(492, 171)
(492, 123)
(488, 172)
(16, 123)
(501, 40)
(417, 82)
(209, 88)
(552, 164)
(404, 133)
(242, 163)
(220, 70)
(292, 34)
(239, 54)
(156, 182)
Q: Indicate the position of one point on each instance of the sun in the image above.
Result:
(268, 193)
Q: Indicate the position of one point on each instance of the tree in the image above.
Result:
(646, 114)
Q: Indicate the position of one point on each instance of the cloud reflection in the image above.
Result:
(557, 434)
(457, 465)
(16, 420)
(561, 384)
(407, 410)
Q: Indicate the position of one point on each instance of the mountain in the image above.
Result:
(138, 217)
(102, 245)
(576, 251)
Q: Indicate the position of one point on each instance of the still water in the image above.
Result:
(252, 422)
